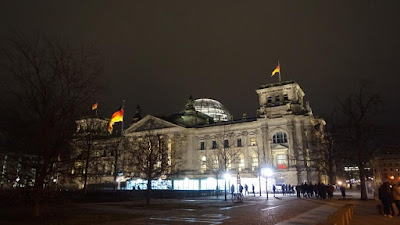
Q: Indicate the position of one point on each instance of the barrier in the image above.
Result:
(342, 216)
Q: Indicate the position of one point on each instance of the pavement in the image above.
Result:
(281, 210)
(365, 213)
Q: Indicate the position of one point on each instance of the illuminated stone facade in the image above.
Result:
(205, 150)
(277, 138)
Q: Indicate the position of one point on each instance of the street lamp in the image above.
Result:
(266, 172)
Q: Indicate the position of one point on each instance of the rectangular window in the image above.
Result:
(277, 99)
(239, 142)
(214, 144)
(253, 141)
(281, 161)
(202, 145)
(269, 99)
(226, 143)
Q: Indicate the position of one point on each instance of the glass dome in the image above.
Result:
(212, 108)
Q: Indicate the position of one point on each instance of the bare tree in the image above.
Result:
(323, 154)
(358, 131)
(150, 158)
(226, 152)
(117, 146)
(90, 131)
(50, 87)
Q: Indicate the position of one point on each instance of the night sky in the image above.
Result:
(157, 53)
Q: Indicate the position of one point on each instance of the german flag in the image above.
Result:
(276, 70)
(118, 116)
(94, 106)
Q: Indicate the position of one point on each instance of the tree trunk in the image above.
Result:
(148, 192)
(37, 195)
(364, 195)
(217, 188)
(225, 190)
(86, 173)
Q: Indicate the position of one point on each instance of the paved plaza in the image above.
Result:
(282, 210)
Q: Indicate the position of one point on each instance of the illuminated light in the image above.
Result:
(267, 172)
(54, 180)
(227, 176)
(210, 179)
(339, 182)
(391, 177)
(139, 180)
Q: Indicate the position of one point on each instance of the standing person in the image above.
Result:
(232, 189)
(246, 188)
(330, 190)
(240, 189)
(386, 197)
(298, 189)
(396, 195)
(254, 193)
(274, 189)
(343, 190)
(304, 188)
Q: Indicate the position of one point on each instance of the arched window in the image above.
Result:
(269, 99)
(240, 162)
(203, 164)
(254, 161)
(215, 162)
(279, 137)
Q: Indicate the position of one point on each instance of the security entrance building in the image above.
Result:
(206, 147)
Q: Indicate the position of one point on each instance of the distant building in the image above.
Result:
(387, 164)
(278, 138)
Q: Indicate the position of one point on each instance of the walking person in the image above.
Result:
(232, 189)
(386, 197)
(240, 189)
(343, 190)
(254, 193)
(274, 189)
(246, 188)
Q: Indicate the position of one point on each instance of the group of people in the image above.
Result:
(286, 189)
(319, 190)
(389, 194)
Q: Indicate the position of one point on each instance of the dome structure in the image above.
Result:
(212, 108)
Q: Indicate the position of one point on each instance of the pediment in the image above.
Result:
(278, 147)
(150, 123)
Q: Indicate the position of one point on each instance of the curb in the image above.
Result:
(341, 217)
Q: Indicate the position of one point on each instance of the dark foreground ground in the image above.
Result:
(281, 210)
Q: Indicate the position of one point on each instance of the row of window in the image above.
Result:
(390, 164)
(391, 169)
(277, 98)
(279, 137)
(281, 162)
(226, 144)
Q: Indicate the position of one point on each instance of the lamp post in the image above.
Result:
(266, 172)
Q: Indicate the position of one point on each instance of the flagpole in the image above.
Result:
(97, 107)
(279, 71)
(122, 124)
